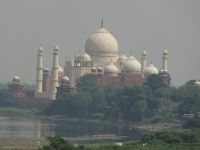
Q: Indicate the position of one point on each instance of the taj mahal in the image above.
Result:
(101, 59)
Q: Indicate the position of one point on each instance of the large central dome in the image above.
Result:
(102, 46)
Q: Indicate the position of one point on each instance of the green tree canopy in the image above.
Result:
(155, 82)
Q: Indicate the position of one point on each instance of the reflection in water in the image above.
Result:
(34, 127)
(25, 127)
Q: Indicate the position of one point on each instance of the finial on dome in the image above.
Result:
(101, 23)
(40, 48)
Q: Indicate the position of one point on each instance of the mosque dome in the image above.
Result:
(83, 57)
(103, 46)
(151, 69)
(131, 65)
(16, 79)
(197, 83)
(122, 58)
(165, 51)
(65, 78)
(56, 47)
(111, 69)
(101, 42)
(40, 49)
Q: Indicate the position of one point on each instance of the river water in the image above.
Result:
(11, 126)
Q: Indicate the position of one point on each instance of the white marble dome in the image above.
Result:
(101, 42)
(131, 65)
(16, 79)
(197, 83)
(122, 58)
(40, 49)
(151, 69)
(83, 57)
(111, 69)
(165, 51)
(65, 78)
(103, 46)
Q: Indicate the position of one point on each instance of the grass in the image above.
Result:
(141, 146)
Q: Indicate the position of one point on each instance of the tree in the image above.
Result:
(155, 82)
(58, 143)
(5, 96)
(86, 83)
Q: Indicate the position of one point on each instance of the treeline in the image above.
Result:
(152, 102)
(165, 140)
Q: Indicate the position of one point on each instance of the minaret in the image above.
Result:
(39, 74)
(164, 60)
(144, 62)
(46, 80)
(55, 73)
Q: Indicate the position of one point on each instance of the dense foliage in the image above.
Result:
(5, 97)
(126, 103)
(173, 140)
(154, 101)
(57, 143)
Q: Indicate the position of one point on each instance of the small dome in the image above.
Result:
(165, 51)
(197, 83)
(110, 69)
(83, 57)
(131, 65)
(40, 48)
(99, 68)
(122, 58)
(151, 69)
(56, 47)
(65, 78)
(16, 79)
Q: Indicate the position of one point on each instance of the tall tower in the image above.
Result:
(144, 62)
(164, 60)
(55, 68)
(46, 80)
(39, 74)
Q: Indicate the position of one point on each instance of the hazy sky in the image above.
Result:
(136, 24)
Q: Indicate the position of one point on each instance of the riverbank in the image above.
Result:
(8, 143)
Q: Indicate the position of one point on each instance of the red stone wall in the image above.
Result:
(122, 80)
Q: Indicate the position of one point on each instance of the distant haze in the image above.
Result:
(136, 24)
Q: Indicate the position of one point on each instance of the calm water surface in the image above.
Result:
(35, 127)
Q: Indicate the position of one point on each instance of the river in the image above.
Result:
(12, 126)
